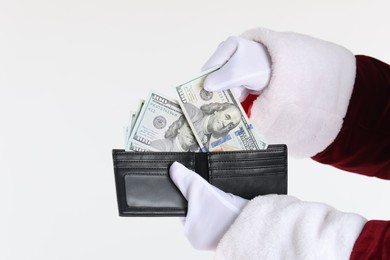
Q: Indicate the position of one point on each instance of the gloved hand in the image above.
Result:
(210, 210)
(270, 225)
(247, 69)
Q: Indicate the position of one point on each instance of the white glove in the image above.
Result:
(210, 210)
(247, 69)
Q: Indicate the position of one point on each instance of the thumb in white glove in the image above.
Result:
(210, 210)
(247, 69)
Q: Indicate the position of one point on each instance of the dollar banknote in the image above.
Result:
(217, 119)
(161, 126)
(132, 119)
(136, 113)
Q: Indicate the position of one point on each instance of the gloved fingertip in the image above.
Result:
(212, 82)
(208, 86)
(181, 177)
(223, 53)
(175, 169)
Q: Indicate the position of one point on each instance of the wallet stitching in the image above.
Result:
(155, 153)
(139, 167)
(246, 175)
(145, 174)
(268, 150)
(167, 208)
(250, 159)
(152, 160)
(132, 168)
(249, 167)
(273, 150)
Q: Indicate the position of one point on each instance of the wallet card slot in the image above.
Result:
(255, 155)
(269, 158)
(150, 165)
(265, 152)
(166, 160)
(261, 162)
(122, 155)
(146, 173)
(146, 161)
(163, 170)
(271, 152)
(213, 177)
(246, 171)
(249, 187)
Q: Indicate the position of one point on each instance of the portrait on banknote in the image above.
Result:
(213, 120)
(217, 119)
(177, 138)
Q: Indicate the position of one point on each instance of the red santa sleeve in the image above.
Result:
(345, 121)
(363, 143)
(363, 146)
(373, 242)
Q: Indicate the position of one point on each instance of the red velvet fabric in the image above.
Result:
(373, 242)
(247, 104)
(363, 144)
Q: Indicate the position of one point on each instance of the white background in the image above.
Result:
(70, 72)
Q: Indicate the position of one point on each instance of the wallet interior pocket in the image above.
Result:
(151, 190)
(143, 185)
(249, 174)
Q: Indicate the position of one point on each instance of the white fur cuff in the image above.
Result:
(283, 227)
(308, 95)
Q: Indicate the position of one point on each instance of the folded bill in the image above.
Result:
(161, 126)
(217, 119)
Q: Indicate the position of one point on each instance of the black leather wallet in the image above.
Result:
(144, 187)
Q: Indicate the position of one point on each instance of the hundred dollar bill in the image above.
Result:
(136, 113)
(161, 126)
(132, 119)
(127, 128)
(217, 119)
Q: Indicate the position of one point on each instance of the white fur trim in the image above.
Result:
(283, 227)
(308, 95)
